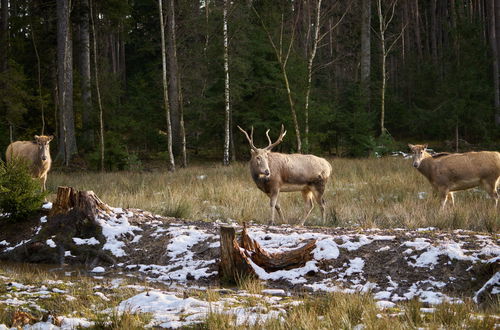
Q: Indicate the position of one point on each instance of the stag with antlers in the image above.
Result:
(275, 172)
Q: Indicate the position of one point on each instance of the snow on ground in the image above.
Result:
(343, 260)
(115, 226)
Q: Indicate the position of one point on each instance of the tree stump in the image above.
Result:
(233, 264)
(86, 202)
(237, 258)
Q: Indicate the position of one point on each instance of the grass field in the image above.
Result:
(385, 193)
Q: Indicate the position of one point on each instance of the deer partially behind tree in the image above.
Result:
(275, 172)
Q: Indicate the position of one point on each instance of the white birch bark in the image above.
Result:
(226, 86)
(165, 89)
(98, 91)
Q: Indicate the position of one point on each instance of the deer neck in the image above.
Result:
(426, 165)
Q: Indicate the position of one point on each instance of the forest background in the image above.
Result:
(346, 78)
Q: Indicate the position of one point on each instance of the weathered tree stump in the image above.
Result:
(236, 258)
(234, 263)
(86, 202)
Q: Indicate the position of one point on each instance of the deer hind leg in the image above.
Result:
(491, 189)
(451, 196)
(308, 196)
(318, 196)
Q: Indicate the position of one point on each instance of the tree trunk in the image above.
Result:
(165, 89)
(84, 65)
(495, 30)
(366, 50)
(101, 119)
(67, 138)
(433, 33)
(227, 117)
(4, 35)
(173, 83)
(383, 66)
(310, 62)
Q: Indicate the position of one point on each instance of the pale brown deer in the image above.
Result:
(275, 172)
(448, 173)
(35, 153)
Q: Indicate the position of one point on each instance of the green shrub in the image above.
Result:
(20, 194)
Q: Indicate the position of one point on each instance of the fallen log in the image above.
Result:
(237, 257)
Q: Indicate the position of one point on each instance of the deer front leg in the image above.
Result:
(273, 202)
(443, 194)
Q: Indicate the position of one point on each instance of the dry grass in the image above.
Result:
(347, 311)
(368, 193)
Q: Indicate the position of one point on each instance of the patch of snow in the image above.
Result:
(98, 270)
(51, 243)
(356, 266)
(384, 248)
(74, 323)
(385, 304)
(47, 206)
(43, 219)
(113, 228)
(102, 296)
(86, 241)
(4, 243)
(494, 282)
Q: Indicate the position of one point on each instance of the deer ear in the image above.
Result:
(37, 137)
(51, 137)
(411, 146)
(425, 146)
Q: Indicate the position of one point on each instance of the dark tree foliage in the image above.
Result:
(440, 87)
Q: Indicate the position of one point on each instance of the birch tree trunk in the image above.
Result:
(310, 62)
(165, 89)
(84, 65)
(384, 22)
(227, 112)
(67, 138)
(101, 119)
(366, 49)
(173, 82)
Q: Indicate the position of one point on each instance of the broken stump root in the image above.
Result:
(237, 257)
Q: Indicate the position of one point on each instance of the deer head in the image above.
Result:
(419, 152)
(259, 163)
(42, 141)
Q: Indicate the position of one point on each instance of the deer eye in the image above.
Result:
(258, 157)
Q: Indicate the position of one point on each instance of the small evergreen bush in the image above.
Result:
(20, 194)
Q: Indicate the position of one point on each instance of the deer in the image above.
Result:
(451, 172)
(35, 153)
(275, 172)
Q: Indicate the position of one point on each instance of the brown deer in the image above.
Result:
(448, 173)
(36, 153)
(275, 172)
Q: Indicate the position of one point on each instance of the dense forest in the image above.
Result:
(124, 82)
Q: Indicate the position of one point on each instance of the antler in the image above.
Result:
(249, 138)
(278, 141)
